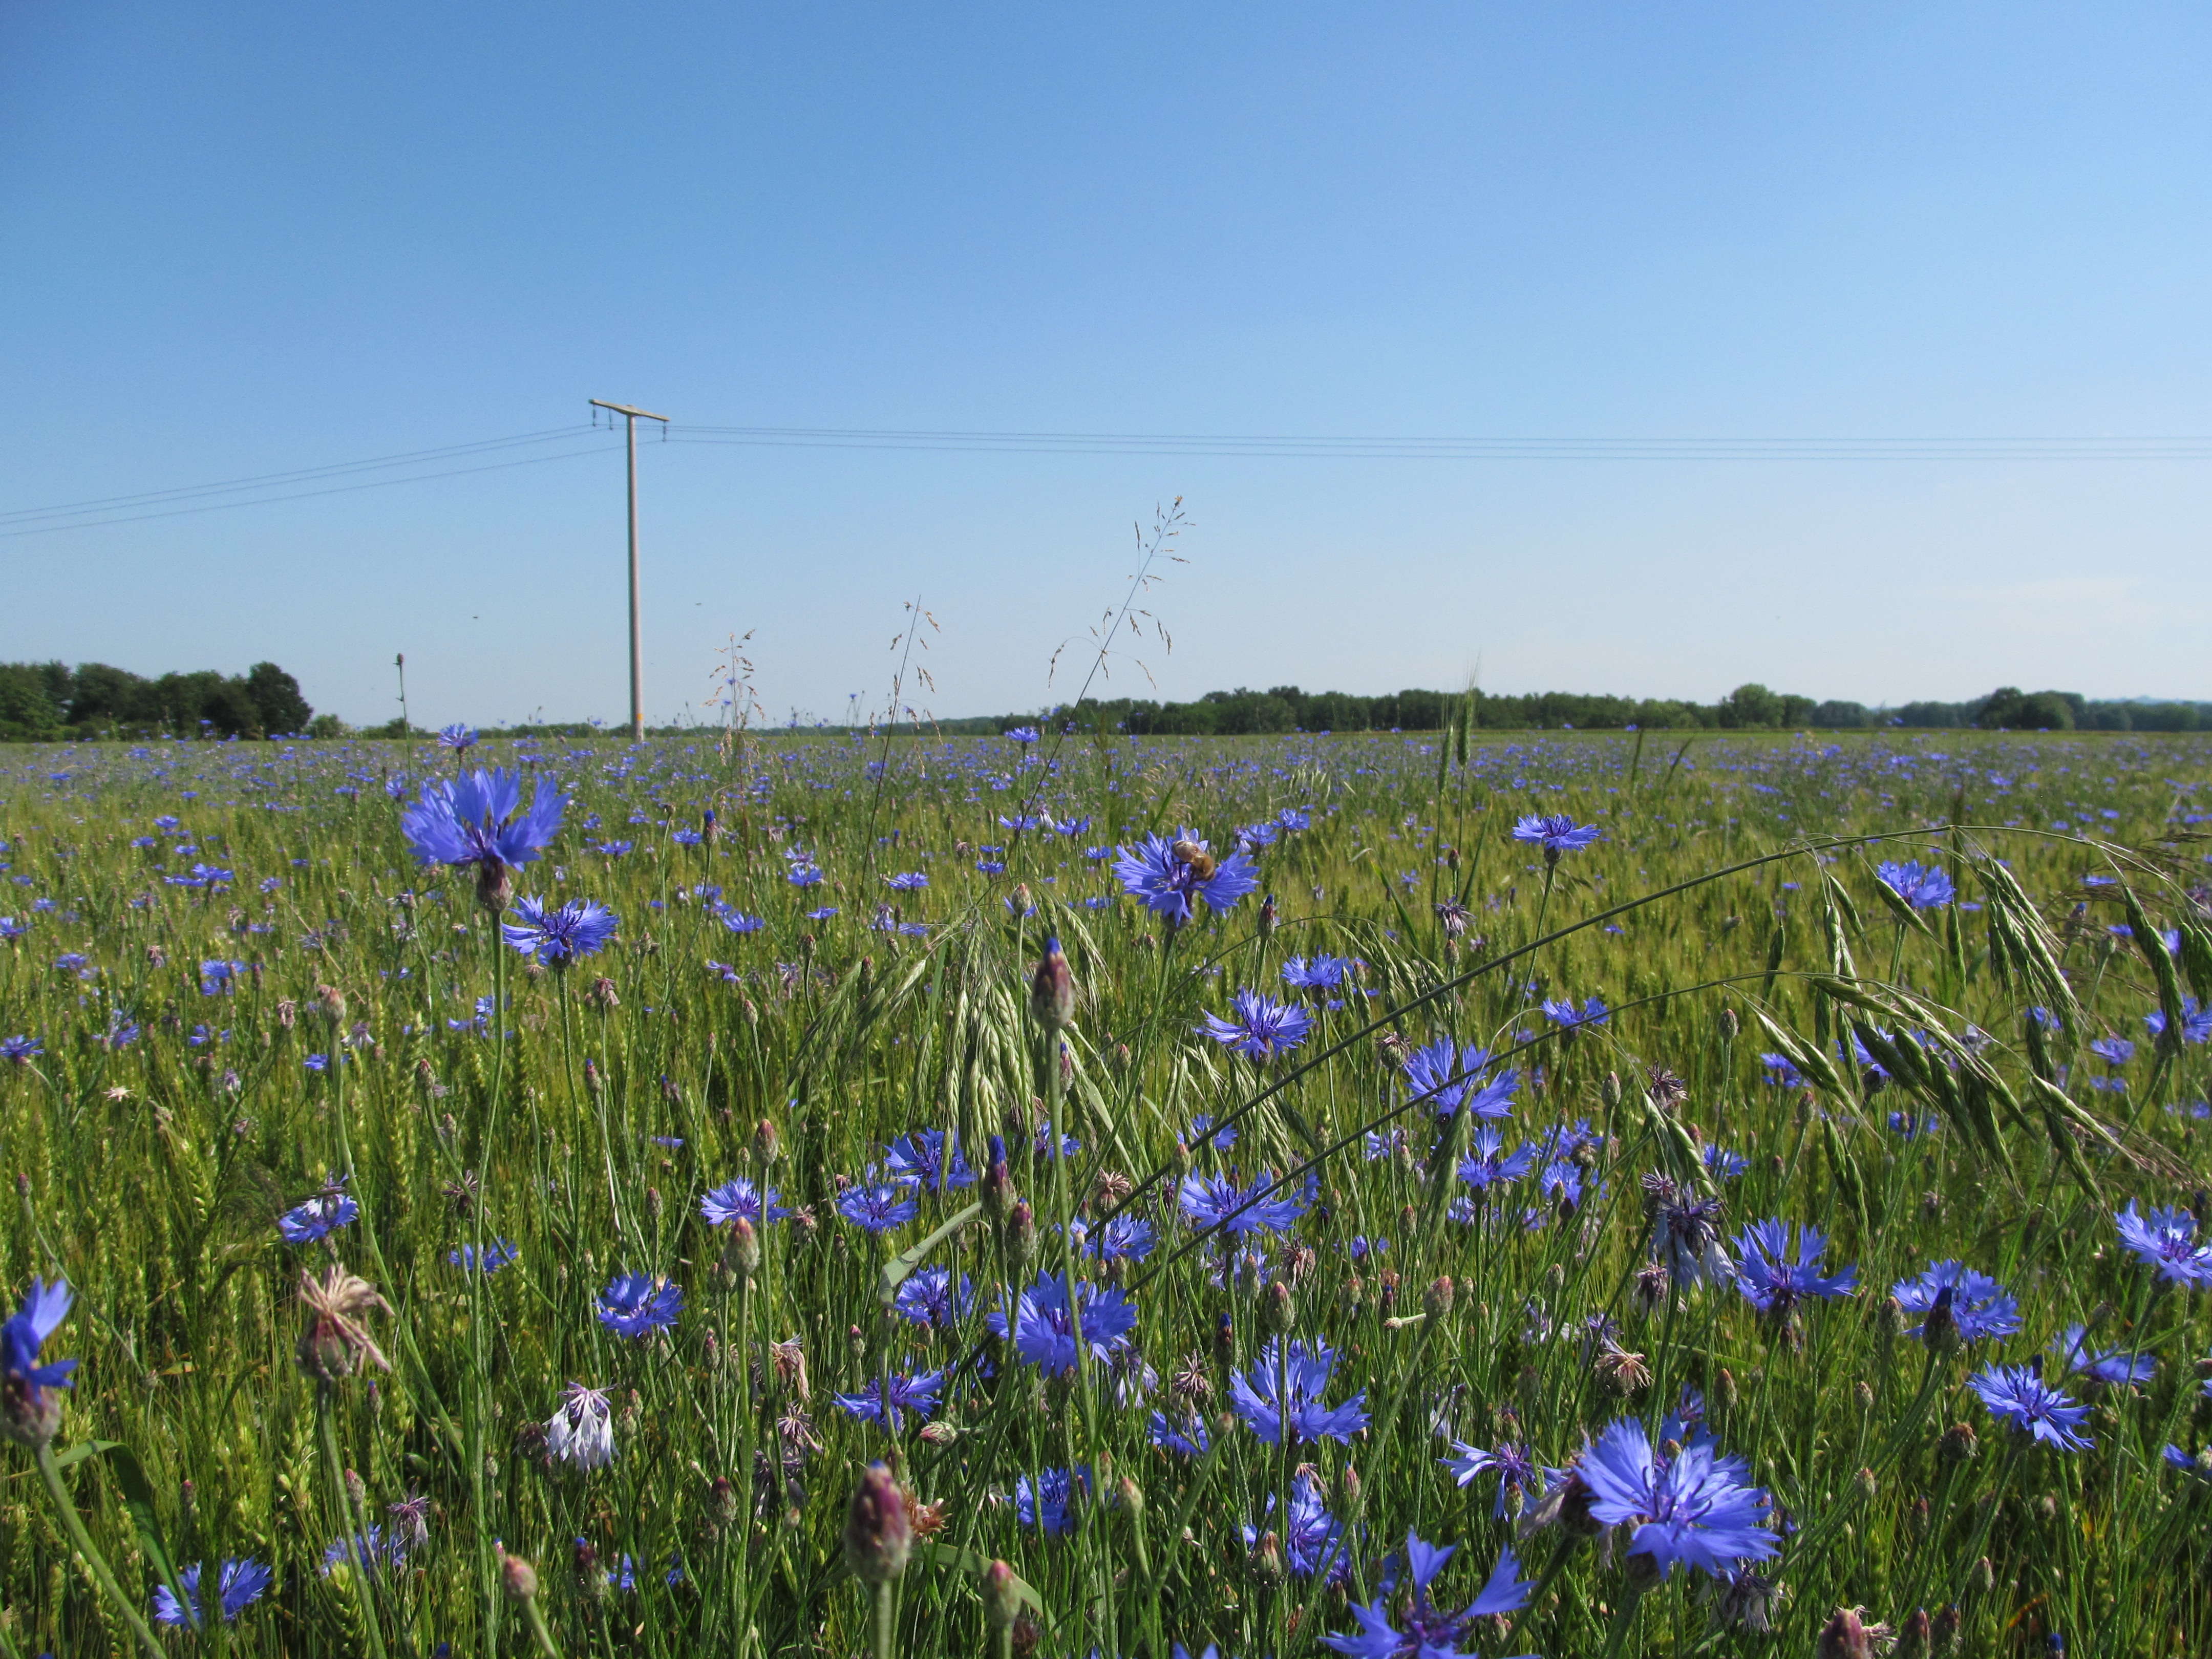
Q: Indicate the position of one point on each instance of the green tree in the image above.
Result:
(277, 705)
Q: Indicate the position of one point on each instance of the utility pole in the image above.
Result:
(630, 418)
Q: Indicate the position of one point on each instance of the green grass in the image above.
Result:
(1733, 882)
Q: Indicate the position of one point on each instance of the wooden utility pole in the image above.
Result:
(630, 418)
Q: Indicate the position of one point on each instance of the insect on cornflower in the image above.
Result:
(2019, 1396)
(1923, 886)
(1976, 1304)
(633, 1305)
(477, 822)
(1281, 1394)
(240, 1583)
(559, 936)
(2166, 1241)
(1556, 833)
(1430, 1632)
(30, 1410)
(1695, 1507)
(1167, 876)
(1259, 1027)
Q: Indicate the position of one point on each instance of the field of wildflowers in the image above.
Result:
(1378, 1194)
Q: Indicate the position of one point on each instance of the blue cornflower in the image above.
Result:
(1313, 1539)
(1202, 1133)
(1782, 1071)
(11, 930)
(1563, 1014)
(317, 1062)
(28, 1414)
(1216, 1200)
(22, 1050)
(1774, 1283)
(376, 1547)
(242, 1583)
(558, 937)
(497, 1255)
(803, 873)
(1044, 1331)
(1430, 1632)
(2195, 1021)
(1186, 1439)
(613, 849)
(1061, 1489)
(928, 1297)
(1283, 1391)
(929, 1158)
(878, 1207)
(218, 975)
(1260, 1028)
(1324, 972)
(912, 881)
(458, 737)
(1516, 1467)
(1444, 1074)
(1696, 1508)
(2114, 1050)
(888, 1401)
(1924, 887)
(1556, 833)
(201, 875)
(319, 1217)
(1489, 1165)
(1725, 1165)
(1977, 1303)
(1167, 875)
(2166, 1241)
(1024, 734)
(1126, 1238)
(1686, 1235)
(478, 820)
(2017, 1393)
(739, 922)
(2113, 1368)
(822, 914)
(1294, 819)
(633, 1305)
(739, 1197)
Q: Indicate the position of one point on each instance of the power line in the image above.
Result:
(272, 480)
(306, 495)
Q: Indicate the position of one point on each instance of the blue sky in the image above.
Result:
(258, 238)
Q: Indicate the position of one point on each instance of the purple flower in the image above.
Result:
(475, 820)
(2016, 1393)
(1490, 1165)
(633, 1305)
(1126, 1237)
(1061, 1488)
(928, 1297)
(888, 1401)
(2114, 1368)
(878, 1207)
(1774, 1283)
(240, 1582)
(1167, 875)
(1282, 1391)
(26, 1412)
(1686, 1236)
(578, 928)
(457, 737)
(739, 922)
(1563, 1014)
(1696, 1508)
(1313, 1539)
(2195, 1021)
(1556, 833)
(1322, 973)
(739, 1197)
(497, 1255)
(1514, 1465)
(2166, 1241)
(1190, 1439)
(1444, 1074)
(2114, 1050)
(1043, 1329)
(1216, 1201)
(928, 1158)
(1782, 1071)
(318, 1217)
(22, 1050)
(1977, 1303)
(1924, 887)
(1260, 1028)
(1430, 1632)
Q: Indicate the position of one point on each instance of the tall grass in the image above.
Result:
(1729, 911)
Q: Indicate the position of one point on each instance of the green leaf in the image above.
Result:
(896, 1269)
(968, 1561)
(138, 1499)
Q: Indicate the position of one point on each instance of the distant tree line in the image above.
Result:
(1748, 707)
(45, 700)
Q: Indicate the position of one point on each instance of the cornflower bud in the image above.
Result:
(877, 1536)
(590, 1577)
(1268, 917)
(1052, 989)
(1913, 1636)
(518, 1575)
(1002, 1603)
(1863, 1393)
(1945, 1629)
(1132, 1496)
(1609, 1091)
(1984, 1579)
(1021, 1236)
(495, 886)
(1224, 1341)
(1868, 1485)
(1267, 1560)
(768, 1146)
(1348, 1491)
(1438, 1300)
(1958, 1445)
(722, 1500)
(742, 1254)
(1278, 1311)
(1891, 1319)
(1643, 1572)
(356, 1488)
(1940, 1330)
(594, 1085)
(998, 1194)
(602, 995)
(1846, 1637)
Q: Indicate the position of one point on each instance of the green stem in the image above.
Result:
(538, 1633)
(884, 1621)
(102, 1572)
(353, 1533)
(1623, 1618)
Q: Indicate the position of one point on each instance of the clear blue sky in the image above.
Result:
(247, 238)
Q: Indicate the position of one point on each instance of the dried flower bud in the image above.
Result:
(876, 1534)
(1958, 1445)
(1846, 1637)
(602, 995)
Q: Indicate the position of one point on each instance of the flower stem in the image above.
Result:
(538, 1633)
(102, 1572)
(885, 1592)
(353, 1534)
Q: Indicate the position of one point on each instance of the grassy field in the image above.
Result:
(1458, 1229)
